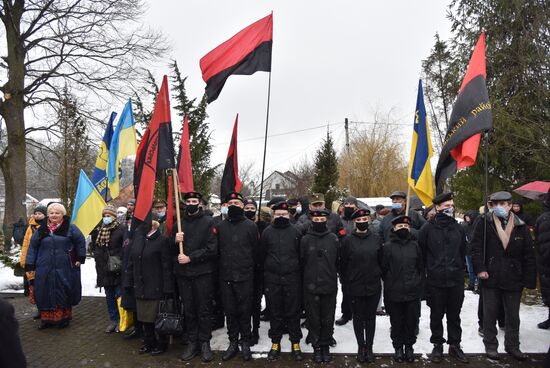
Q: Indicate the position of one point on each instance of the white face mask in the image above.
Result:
(224, 211)
(298, 210)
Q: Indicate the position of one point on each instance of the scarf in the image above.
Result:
(504, 234)
(104, 236)
(53, 227)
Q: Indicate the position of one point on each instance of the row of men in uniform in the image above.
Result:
(299, 261)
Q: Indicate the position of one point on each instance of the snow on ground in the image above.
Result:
(533, 339)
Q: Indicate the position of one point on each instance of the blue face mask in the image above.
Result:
(224, 211)
(500, 212)
(107, 220)
(396, 206)
(161, 214)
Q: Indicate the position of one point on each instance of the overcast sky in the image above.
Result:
(331, 60)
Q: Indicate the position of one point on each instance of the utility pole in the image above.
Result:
(346, 127)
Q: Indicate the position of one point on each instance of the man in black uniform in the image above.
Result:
(443, 244)
(194, 270)
(280, 246)
(317, 203)
(399, 204)
(319, 254)
(238, 256)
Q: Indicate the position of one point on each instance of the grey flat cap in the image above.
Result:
(500, 196)
(399, 194)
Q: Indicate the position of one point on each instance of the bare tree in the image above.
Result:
(94, 46)
(304, 173)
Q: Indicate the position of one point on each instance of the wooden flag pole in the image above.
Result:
(408, 205)
(177, 199)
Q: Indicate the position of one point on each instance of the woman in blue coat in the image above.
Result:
(55, 253)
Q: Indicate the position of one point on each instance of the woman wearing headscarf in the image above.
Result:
(108, 243)
(55, 253)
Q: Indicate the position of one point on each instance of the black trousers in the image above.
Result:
(403, 320)
(237, 305)
(345, 305)
(445, 301)
(149, 337)
(320, 310)
(197, 295)
(285, 307)
(218, 318)
(493, 299)
(257, 301)
(500, 317)
(364, 318)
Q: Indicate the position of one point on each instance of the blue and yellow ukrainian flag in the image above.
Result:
(99, 175)
(420, 172)
(88, 205)
(123, 144)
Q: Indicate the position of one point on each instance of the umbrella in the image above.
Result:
(536, 190)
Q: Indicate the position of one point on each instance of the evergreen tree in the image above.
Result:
(326, 171)
(199, 131)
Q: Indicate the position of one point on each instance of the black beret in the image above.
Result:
(360, 213)
(398, 194)
(443, 197)
(500, 196)
(250, 201)
(280, 206)
(292, 202)
(192, 195)
(401, 220)
(275, 200)
(234, 195)
(319, 213)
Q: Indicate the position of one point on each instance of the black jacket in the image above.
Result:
(238, 249)
(319, 257)
(200, 244)
(402, 269)
(443, 244)
(280, 254)
(385, 227)
(542, 245)
(360, 260)
(101, 257)
(334, 224)
(511, 269)
(11, 352)
(149, 268)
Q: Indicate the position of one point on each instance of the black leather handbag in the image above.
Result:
(169, 319)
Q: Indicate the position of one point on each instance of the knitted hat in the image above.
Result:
(110, 210)
(42, 209)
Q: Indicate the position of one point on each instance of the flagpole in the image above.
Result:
(177, 199)
(265, 143)
(485, 200)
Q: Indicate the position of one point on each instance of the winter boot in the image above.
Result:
(189, 352)
(232, 350)
(245, 350)
(544, 325)
(275, 351)
(326, 355)
(516, 354)
(456, 352)
(317, 354)
(297, 352)
(361, 354)
(206, 352)
(398, 355)
(409, 354)
(437, 353)
(369, 354)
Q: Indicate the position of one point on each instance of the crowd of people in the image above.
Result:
(220, 267)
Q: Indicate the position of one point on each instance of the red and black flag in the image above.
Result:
(230, 177)
(247, 52)
(185, 170)
(155, 153)
(471, 115)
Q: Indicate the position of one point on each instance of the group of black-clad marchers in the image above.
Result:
(296, 259)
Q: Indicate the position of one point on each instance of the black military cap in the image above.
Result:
(280, 206)
(274, 200)
(401, 220)
(192, 195)
(319, 213)
(292, 202)
(443, 197)
(500, 196)
(398, 194)
(234, 195)
(250, 201)
(360, 213)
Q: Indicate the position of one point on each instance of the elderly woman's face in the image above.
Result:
(55, 215)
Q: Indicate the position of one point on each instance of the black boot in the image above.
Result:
(369, 354)
(325, 352)
(456, 352)
(232, 350)
(342, 321)
(437, 353)
(317, 354)
(409, 354)
(297, 352)
(275, 351)
(206, 352)
(544, 325)
(189, 352)
(247, 354)
(332, 342)
(361, 354)
(516, 354)
(398, 355)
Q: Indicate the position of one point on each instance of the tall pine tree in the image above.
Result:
(326, 171)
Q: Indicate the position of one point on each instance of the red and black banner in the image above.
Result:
(247, 52)
(185, 170)
(230, 177)
(155, 153)
(471, 115)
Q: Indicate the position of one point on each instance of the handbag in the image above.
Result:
(169, 320)
(114, 263)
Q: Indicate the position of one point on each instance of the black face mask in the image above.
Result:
(362, 226)
(235, 211)
(319, 227)
(348, 211)
(250, 214)
(192, 209)
(281, 221)
(292, 211)
(402, 233)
